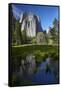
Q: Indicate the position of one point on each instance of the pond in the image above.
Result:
(29, 72)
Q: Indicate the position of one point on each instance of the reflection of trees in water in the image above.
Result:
(55, 68)
(28, 65)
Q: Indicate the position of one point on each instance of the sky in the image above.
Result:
(46, 13)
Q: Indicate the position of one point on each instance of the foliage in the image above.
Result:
(46, 37)
(41, 38)
(53, 33)
(20, 50)
(33, 40)
(55, 22)
(24, 37)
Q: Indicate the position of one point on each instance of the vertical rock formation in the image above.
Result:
(28, 29)
(30, 23)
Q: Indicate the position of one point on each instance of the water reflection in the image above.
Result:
(28, 66)
(43, 73)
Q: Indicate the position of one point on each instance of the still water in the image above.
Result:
(31, 73)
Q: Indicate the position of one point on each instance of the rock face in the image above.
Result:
(27, 30)
(30, 23)
(41, 38)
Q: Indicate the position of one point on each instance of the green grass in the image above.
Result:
(40, 51)
(26, 49)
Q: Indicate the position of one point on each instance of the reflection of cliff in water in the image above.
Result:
(28, 66)
(43, 73)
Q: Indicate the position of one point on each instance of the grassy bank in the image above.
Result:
(26, 49)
